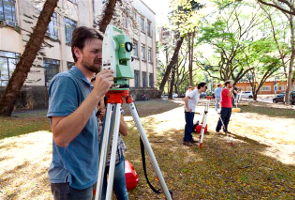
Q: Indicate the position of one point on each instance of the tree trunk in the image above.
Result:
(191, 58)
(22, 69)
(171, 64)
(255, 96)
(170, 96)
(177, 90)
(107, 15)
(290, 72)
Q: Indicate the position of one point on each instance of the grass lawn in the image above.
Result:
(23, 124)
(260, 165)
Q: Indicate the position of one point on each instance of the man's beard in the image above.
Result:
(91, 66)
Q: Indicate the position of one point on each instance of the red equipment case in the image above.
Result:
(130, 176)
(199, 128)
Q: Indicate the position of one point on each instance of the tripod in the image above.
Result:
(204, 121)
(116, 98)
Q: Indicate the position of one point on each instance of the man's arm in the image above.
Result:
(230, 94)
(65, 129)
(186, 103)
(123, 129)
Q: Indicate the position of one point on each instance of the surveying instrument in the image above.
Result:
(116, 55)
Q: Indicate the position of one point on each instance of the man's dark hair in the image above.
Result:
(202, 84)
(81, 35)
(227, 82)
(218, 85)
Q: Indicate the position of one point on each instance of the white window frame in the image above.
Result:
(143, 53)
(142, 24)
(263, 88)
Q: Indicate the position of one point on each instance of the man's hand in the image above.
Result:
(189, 110)
(103, 81)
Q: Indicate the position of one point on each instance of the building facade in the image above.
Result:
(267, 88)
(18, 17)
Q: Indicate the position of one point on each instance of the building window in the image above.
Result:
(266, 88)
(70, 65)
(249, 89)
(70, 26)
(134, 15)
(52, 27)
(150, 55)
(151, 80)
(135, 49)
(126, 22)
(7, 12)
(142, 24)
(149, 30)
(51, 68)
(282, 87)
(144, 80)
(143, 52)
(240, 88)
(8, 61)
(136, 78)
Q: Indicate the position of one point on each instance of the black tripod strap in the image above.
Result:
(144, 169)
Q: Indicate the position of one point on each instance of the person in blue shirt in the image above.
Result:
(72, 101)
(217, 94)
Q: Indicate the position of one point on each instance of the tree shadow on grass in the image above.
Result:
(153, 107)
(22, 183)
(269, 111)
(217, 171)
(7, 178)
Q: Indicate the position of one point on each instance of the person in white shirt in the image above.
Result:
(191, 100)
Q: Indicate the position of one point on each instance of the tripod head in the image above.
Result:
(116, 55)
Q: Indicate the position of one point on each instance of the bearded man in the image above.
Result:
(72, 101)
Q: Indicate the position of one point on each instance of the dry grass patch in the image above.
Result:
(260, 165)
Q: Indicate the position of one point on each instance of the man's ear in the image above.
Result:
(77, 52)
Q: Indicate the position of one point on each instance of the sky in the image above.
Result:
(161, 8)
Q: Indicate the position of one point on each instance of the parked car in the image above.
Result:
(245, 94)
(174, 95)
(182, 95)
(292, 99)
(281, 97)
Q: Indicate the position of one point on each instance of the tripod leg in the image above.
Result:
(103, 151)
(204, 123)
(203, 130)
(227, 136)
(149, 150)
(113, 152)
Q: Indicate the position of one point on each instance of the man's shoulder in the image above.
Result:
(193, 93)
(225, 91)
(65, 74)
(62, 78)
